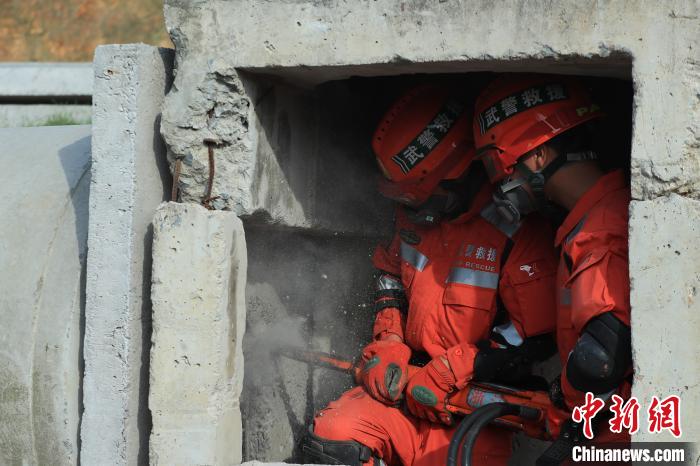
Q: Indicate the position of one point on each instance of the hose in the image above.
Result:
(481, 417)
(453, 449)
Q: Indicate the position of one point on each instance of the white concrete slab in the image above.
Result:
(32, 79)
(198, 294)
(45, 187)
(128, 183)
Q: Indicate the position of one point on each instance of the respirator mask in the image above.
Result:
(433, 210)
(452, 199)
(513, 201)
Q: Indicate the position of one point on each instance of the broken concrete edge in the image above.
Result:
(49, 80)
(198, 296)
(128, 182)
(216, 89)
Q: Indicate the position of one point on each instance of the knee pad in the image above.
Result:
(602, 355)
(317, 450)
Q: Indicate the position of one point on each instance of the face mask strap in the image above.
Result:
(430, 212)
(537, 180)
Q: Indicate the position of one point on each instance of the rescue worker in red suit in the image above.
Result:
(534, 134)
(450, 264)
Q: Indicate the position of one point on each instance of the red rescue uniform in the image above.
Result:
(453, 274)
(593, 273)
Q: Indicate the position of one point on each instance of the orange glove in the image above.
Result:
(427, 392)
(384, 370)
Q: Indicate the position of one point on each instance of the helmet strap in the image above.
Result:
(538, 180)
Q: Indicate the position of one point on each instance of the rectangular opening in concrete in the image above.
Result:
(311, 284)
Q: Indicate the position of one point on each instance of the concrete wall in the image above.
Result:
(44, 233)
(129, 181)
(199, 275)
(232, 56)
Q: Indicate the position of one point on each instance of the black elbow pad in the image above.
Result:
(317, 450)
(602, 355)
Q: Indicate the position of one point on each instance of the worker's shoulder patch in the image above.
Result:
(409, 236)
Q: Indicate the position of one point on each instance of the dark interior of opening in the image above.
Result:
(313, 286)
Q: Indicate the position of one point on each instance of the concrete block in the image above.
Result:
(44, 80)
(252, 75)
(18, 115)
(219, 96)
(44, 234)
(198, 295)
(664, 258)
(283, 156)
(128, 183)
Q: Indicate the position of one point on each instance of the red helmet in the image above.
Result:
(424, 138)
(518, 112)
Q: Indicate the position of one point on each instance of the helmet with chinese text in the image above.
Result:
(518, 112)
(424, 138)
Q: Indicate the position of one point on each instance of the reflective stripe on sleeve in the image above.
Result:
(575, 230)
(565, 296)
(473, 277)
(413, 256)
(509, 333)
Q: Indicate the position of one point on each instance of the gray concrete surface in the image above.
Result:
(32, 80)
(199, 276)
(316, 41)
(231, 56)
(273, 162)
(664, 260)
(45, 192)
(21, 115)
(129, 181)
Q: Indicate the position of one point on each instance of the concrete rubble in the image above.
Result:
(199, 275)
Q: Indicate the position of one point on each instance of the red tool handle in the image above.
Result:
(463, 402)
